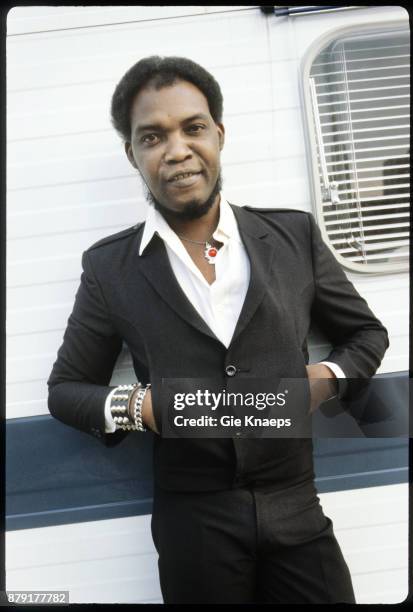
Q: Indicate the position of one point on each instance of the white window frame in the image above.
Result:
(310, 135)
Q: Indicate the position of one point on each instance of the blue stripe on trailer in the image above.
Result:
(56, 474)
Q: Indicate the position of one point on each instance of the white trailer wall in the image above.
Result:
(69, 184)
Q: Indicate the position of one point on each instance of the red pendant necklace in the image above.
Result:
(210, 252)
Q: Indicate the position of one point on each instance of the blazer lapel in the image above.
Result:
(155, 265)
(261, 255)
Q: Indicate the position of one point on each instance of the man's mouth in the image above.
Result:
(184, 178)
(180, 175)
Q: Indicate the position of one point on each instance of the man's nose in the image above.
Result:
(177, 148)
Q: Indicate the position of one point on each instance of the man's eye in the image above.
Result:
(195, 128)
(149, 139)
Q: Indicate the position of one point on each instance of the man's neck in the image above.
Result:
(196, 229)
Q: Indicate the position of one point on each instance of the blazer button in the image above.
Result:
(231, 370)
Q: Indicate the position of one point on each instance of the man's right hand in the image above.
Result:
(147, 410)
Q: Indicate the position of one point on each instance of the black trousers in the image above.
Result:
(248, 546)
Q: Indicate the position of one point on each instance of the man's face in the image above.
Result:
(175, 145)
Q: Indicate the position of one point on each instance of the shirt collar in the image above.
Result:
(226, 229)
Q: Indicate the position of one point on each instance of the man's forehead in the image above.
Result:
(179, 100)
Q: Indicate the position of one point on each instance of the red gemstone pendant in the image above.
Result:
(210, 253)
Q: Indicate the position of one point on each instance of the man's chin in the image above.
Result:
(194, 209)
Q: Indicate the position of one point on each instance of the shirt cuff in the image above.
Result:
(341, 382)
(110, 425)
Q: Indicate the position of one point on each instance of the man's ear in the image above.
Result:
(221, 135)
(129, 154)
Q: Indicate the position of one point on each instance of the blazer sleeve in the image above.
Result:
(358, 338)
(78, 383)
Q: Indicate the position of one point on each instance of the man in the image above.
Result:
(205, 289)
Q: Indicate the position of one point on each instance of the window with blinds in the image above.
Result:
(359, 96)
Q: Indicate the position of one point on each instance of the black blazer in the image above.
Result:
(123, 297)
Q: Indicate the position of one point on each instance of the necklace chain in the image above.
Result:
(204, 242)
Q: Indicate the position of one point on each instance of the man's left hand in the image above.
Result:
(323, 384)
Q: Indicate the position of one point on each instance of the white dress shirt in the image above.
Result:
(220, 303)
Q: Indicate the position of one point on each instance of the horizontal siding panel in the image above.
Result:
(28, 396)
(17, 393)
(288, 169)
(268, 192)
(21, 20)
(48, 340)
(377, 595)
(121, 538)
(390, 578)
(285, 86)
(241, 29)
(79, 115)
(280, 189)
(65, 206)
(128, 43)
(77, 168)
(72, 97)
(73, 194)
(256, 143)
(135, 583)
(93, 572)
(288, 136)
(133, 589)
(72, 219)
(89, 110)
(395, 362)
(65, 267)
(43, 156)
(42, 247)
(39, 365)
(371, 526)
(31, 343)
(379, 559)
(386, 504)
(35, 175)
(373, 285)
(27, 409)
(46, 150)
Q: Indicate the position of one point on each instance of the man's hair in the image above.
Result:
(161, 72)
